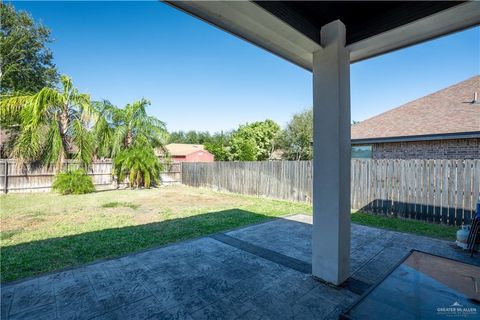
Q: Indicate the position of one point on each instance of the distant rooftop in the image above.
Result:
(183, 149)
(447, 112)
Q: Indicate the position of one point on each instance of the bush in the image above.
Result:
(140, 164)
(73, 182)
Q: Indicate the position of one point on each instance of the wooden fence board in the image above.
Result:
(476, 184)
(444, 195)
(460, 186)
(437, 200)
(467, 195)
(442, 191)
(432, 190)
(452, 177)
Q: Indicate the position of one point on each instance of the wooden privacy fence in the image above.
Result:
(288, 180)
(443, 191)
(31, 178)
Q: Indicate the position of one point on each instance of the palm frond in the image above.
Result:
(10, 106)
(67, 84)
(87, 111)
(118, 139)
(53, 151)
(83, 141)
(28, 146)
(42, 103)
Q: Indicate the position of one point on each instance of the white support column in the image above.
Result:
(331, 156)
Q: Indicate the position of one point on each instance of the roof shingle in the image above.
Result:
(447, 111)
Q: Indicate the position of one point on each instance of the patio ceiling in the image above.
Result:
(291, 29)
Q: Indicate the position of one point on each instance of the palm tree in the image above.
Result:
(130, 137)
(53, 124)
(140, 164)
(134, 127)
(103, 129)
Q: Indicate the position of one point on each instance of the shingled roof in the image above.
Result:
(450, 111)
(183, 149)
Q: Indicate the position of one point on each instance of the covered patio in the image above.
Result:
(258, 272)
(299, 267)
(325, 37)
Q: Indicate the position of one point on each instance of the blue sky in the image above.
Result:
(199, 77)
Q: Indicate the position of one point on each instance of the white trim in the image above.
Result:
(251, 22)
(444, 22)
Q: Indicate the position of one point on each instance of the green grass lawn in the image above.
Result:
(403, 225)
(43, 232)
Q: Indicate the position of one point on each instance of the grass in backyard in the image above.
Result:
(117, 204)
(45, 231)
(403, 225)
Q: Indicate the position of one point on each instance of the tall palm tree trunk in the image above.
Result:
(63, 124)
(128, 139)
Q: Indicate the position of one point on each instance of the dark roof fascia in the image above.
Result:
(430, 137)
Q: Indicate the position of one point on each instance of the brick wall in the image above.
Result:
(435, 149)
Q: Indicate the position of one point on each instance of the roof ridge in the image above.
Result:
(444, 111)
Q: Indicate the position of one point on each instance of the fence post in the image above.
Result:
(181, 172)
(5, 180)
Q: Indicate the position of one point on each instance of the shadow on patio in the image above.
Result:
(247, 273)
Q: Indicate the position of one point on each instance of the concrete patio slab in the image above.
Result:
(249, 273)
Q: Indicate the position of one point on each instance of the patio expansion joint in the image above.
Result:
(264, 253)
(367, 262)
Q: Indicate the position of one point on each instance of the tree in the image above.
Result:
(219, 152)
(134, 127)
(140, 164)
(130, 137)
(26, 63)
(191, 137)
(177, 137)
(258, 137)
(243, 149)
(53, 124)
(298, 136)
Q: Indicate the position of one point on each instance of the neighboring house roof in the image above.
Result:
(183, 149)
(448, 113)
(277, 154)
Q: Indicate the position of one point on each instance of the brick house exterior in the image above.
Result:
(182, 152)
(442, 125)
(435, 149)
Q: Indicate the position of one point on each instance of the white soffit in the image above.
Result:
(457, 18)
(250, 22)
